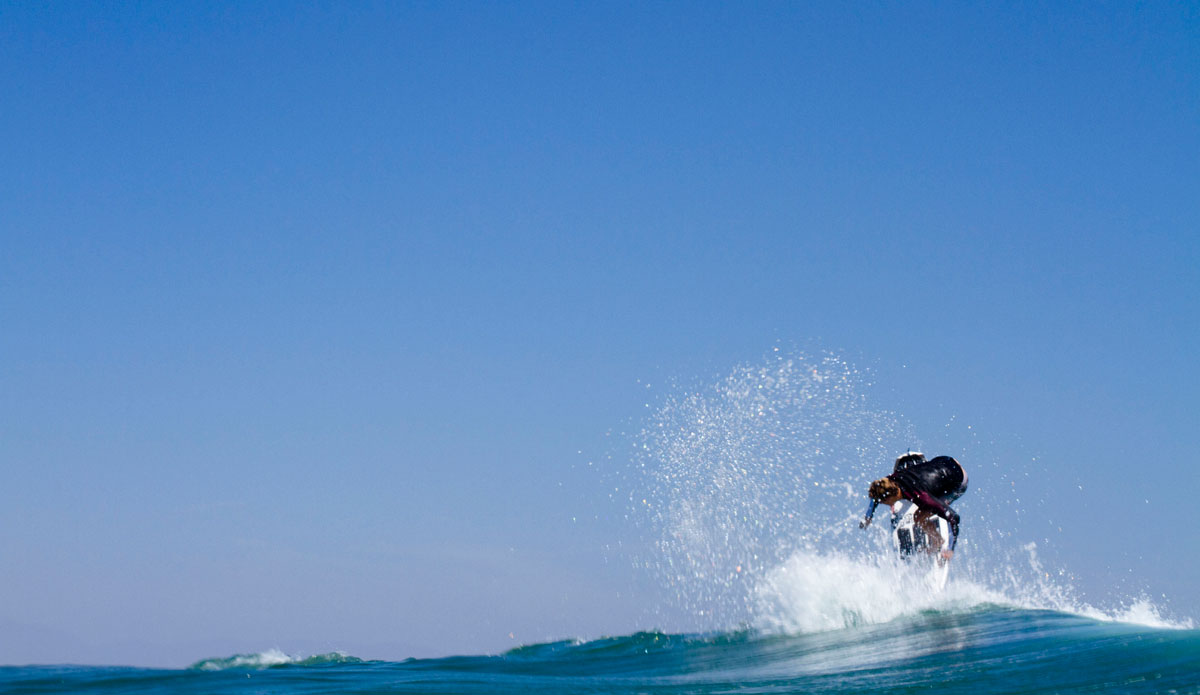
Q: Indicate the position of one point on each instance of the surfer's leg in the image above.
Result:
(933, 537)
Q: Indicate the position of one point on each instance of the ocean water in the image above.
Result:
(987, 649)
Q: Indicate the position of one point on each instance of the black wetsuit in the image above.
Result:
(931, 486)
(940, 477)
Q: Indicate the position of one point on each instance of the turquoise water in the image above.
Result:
(988, 649)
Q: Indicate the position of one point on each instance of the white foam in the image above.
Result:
(817, 592)
(814, 592)
(1143, 612)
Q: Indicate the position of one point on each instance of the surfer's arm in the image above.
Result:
(871, 504)
(929, 503)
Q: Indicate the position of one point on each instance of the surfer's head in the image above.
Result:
(884, 490)
(910, 458)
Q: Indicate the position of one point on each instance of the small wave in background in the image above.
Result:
(271, 658)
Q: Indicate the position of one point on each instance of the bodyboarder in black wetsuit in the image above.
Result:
(930, 485)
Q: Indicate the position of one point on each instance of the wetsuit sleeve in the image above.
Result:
(929, 503)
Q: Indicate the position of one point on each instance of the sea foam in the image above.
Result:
(813, 592)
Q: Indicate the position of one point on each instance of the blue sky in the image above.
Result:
(311, 314)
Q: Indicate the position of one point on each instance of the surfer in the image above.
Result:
(930, 485)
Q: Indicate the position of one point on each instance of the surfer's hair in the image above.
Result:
(882, 489)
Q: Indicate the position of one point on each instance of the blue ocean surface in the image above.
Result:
(987, 649)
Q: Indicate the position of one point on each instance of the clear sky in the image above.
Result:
(309, 315)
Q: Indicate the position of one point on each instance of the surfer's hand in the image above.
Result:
(946, 555)
(864, 523)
